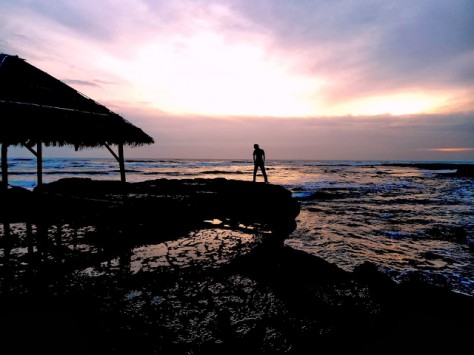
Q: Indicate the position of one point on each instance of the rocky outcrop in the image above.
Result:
(175, 206)
(465, 171)
(171, 205)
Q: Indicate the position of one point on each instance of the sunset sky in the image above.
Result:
(306, 79)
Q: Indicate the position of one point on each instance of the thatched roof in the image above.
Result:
(34, 106)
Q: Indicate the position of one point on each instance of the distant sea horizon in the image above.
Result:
(79, 157)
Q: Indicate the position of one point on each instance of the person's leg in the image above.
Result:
(255, 167)
(264, 173)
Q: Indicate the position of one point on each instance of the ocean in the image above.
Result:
(411, 219)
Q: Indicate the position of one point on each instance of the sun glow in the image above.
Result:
(396, 104)
(204, 75)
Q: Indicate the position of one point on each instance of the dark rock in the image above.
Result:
(465, 171)
(15, 202)
(450, 233)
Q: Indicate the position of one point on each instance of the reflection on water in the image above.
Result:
(403, 219)
(47, 254)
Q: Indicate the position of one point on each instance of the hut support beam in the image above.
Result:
(39, 160)
(5, 165)
(120, 158)
(121, 162)
(31, 150)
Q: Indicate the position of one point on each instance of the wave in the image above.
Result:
(152, 161)
(22, 172)
(222, 172)
(170, 173)
(75, 172)
(126, 170)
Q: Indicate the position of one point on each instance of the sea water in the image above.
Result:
(410, 219)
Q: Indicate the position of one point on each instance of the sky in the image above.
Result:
(305, 79)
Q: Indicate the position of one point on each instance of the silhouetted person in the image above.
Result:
(259, 162)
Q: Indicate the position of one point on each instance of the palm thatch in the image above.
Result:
(37, 109)
(35, 106)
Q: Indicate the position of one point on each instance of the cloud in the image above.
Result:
(80, 82)
(366, 47)
(188, 71)
(347, 50)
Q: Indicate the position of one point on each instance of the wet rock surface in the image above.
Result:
(197, 267)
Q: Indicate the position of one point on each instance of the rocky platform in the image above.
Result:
(196, 267)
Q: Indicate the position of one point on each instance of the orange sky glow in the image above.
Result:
(452, 149)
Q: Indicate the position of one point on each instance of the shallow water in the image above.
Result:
(410, 220)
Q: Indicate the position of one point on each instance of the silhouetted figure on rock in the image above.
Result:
(259, 162)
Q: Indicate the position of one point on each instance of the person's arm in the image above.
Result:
(263, 155)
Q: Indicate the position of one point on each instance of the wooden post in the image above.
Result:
(119, 158)
(39, 163)
(5, 165)
(6, 223)
(121, 162)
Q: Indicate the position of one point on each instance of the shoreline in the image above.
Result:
(96, 291)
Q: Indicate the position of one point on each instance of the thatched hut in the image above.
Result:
(37, 109)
